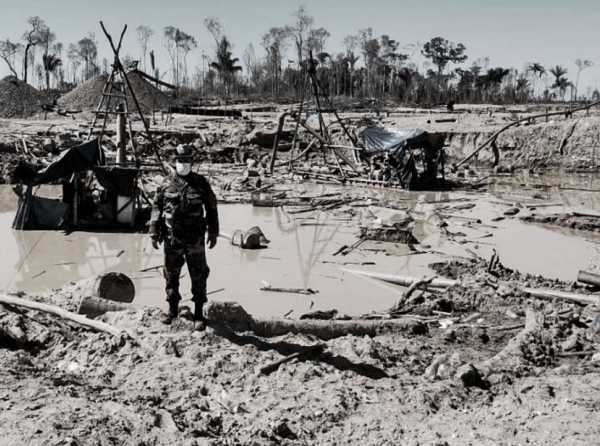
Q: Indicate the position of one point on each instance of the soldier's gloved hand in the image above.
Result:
(155, 243)
(211, 241)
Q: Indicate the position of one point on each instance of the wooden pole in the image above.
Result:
(64, 314)
(121, 137)
(280, 124)
(119, 66)
(541, 293)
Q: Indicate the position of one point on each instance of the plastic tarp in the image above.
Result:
(78, 159)
(39, 212)
(379, 139)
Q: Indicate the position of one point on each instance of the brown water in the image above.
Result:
(301, 251)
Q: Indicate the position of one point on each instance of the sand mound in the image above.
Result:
(87, 96)
(18, 99)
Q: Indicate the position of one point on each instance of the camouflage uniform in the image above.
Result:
(185, 209)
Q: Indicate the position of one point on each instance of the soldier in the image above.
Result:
(185, 209)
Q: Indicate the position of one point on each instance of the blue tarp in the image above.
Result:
(379, 139)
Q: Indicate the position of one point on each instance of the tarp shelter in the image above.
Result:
(411, 157)
(72, 169)
(380, 140)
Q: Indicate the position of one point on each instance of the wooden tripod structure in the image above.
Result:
(321, 135)
(115, 92)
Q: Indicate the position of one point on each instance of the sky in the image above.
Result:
(510, 32)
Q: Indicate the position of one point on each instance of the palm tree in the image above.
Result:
(50, 62)
(561, 83)
(491, 81)
(225, 63)
(537, 70)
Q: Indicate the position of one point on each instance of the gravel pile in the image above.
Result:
(18, 99)
(87, 96)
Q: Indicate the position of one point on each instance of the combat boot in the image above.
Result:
(199, 319)
(172, 314)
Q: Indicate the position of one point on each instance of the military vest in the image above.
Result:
(183, 210)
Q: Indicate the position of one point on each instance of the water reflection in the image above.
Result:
(300, 254)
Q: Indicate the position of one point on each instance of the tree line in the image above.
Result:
(372, 67)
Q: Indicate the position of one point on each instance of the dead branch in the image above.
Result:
(269, 368)
(411, 289)
(512, 352)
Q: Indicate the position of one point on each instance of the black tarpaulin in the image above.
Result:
(78, 159)
(379, 139)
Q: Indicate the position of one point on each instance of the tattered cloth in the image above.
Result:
(379, 140)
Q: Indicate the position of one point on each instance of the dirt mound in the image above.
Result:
(18, 99)
(87, 96)
(562, 142)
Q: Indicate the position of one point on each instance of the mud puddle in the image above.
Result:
(300, 253)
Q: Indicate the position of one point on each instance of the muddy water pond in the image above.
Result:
(301, 251)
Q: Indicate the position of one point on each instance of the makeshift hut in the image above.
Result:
(94, 195)
(412, 157)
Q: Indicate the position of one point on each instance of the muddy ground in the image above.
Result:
(489, 364)
(62, 384)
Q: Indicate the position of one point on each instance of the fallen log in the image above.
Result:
(64, 314)
(438, 282)
(238, 319)
(94, 306)
(540, 293)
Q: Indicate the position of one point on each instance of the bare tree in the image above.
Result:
(316, 40)
(143, 35)
(87, 51)
(275, 44)
(8, 53)
(178, 44)
(214, 27)
(300, 31)
(350, 43)
(253, 67)
(73, 56)
(581, 65)
(31, 38)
